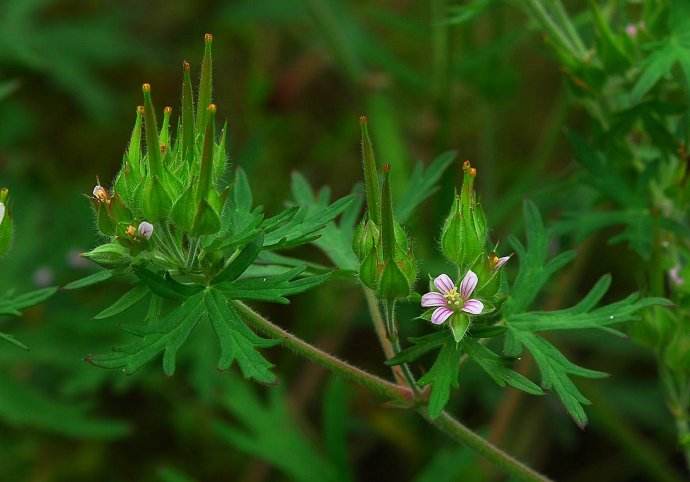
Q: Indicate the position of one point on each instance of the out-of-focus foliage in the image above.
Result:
(292, 78)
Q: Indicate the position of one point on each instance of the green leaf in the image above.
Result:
(242, 261)
(555, 371)
(583, 315)
(95, 278)
(162, 336)
(22, 406)
(420, 346)
(164, 286)
(305, 225)
(422, 184)
(126, 301)
(443, 376)
(535, 269)
(10, 339)
(237, 341)
(272, 288)
(496, 367)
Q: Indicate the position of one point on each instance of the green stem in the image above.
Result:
(376, 384)
(391, 391)
(461, 434)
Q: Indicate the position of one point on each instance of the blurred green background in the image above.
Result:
(292, 78)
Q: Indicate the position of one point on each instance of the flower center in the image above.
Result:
(453, 298)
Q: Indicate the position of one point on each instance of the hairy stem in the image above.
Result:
(390, 391)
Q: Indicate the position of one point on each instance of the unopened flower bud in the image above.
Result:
(109, 255)
(2, 212)
(365, 239)
(100, 194)
(464, 234)
(145, 230)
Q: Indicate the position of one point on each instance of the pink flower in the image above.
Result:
(447, 300)
(631, 30)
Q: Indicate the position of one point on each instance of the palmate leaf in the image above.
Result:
(237, 341)
(165, 335)
(168, 333)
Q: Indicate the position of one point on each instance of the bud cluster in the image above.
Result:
(387, 264)
(465, 237)
(166, 196)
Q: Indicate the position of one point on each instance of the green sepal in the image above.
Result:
(182, 213)
(206, 221)
(187, 114)
(205, 84)
(104, 222)
(153, 150)
(372, 185)
(134, 148)
(393, 283)
(156, 202)
(459, 324)
(369, 270)
(110, 255)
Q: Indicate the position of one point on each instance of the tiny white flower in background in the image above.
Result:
(43, 277)
(145, 229)
(2, 212)
(631, 30)
(674, 275)
(448, 299)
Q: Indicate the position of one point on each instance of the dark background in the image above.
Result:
(292, 78)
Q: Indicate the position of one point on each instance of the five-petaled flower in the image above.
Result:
(449, 299)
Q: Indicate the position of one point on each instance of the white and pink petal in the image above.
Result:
(440, 315)
(473, 307)
(433, 299)
(443, 283)
(468, 284)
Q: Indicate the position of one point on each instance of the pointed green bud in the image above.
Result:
(372, 185)
(206, 167)
(187, 113)
(153, 152)
(393, 283)
(110, 255)
(134, 149)
(464, 234)
(205, 84)
(370, 270)
(164, 137)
